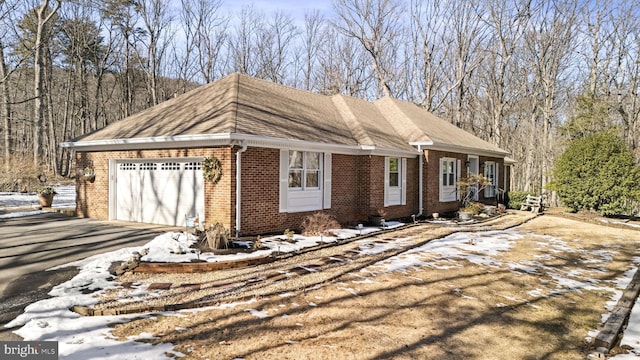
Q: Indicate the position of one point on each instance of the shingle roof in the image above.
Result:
(241, 104)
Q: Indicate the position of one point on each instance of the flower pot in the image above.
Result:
(465, 215)
(45, 199)
(376, 220)
(435, 215)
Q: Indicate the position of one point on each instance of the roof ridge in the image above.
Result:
(273, 83)
(353, 124)
(407, 129)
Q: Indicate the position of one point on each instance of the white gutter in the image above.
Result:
(239, 185)
(420, 175)
(222, 139)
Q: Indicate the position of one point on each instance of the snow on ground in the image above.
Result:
(65, 197)
(91, 338)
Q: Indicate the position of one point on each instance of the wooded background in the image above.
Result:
(525, 75)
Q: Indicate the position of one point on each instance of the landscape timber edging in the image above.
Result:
(609, 336)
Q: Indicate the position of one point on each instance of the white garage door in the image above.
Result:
(159, 192)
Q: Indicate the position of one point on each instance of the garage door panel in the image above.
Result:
(161, 192)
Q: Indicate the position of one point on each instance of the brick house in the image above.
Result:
(284, 153)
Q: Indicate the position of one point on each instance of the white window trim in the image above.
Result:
(491, 191)
(448, 193)
(301, 199)
(395, 195)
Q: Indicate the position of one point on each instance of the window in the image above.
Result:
(491, 173)
(305, 181)
(448, 172)
(304, 170)
(448, 178)
(394, 172)
(395, 181)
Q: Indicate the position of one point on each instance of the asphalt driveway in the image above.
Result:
(31, 245)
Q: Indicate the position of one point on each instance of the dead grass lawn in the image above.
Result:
(466, 311)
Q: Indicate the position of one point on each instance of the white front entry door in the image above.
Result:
(159, 191)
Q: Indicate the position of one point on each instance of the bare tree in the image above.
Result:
(508, 20)
(375, 24)
(156, 21)
(625, 72)
(547, 53)
(205, 28)
(122, 19)
(468, 35)
(428, 53)
(344, 67)
(44, 16)
(313, 24)
(242, 43)
(274, 46)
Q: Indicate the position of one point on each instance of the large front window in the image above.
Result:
(305, 180)
(304, 170)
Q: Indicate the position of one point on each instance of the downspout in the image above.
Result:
(420, 175)
(239, 185)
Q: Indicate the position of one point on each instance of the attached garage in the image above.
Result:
(157, 191)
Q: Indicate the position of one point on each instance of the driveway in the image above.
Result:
(31, 245)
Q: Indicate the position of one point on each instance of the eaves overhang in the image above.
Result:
(430, 145)
(228, 139)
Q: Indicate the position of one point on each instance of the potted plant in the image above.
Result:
(45, 195)
(378, 218)
(467, 187)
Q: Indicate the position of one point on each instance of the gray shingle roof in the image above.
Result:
(244, 105)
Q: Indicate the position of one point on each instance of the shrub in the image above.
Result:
(474, 207)
(317, 223)
(217, 237)
(597, 172)
(517, 198)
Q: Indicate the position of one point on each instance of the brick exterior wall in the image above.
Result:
(357, 190)
(432, 180)
(357, 187)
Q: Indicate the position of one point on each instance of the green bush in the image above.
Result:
(597, 172)
(516, 199)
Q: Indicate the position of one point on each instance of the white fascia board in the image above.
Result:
(460, 149)
(226, 139)
(146, 143)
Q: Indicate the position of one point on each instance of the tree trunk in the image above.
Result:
(38, 84)
(5, 108)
